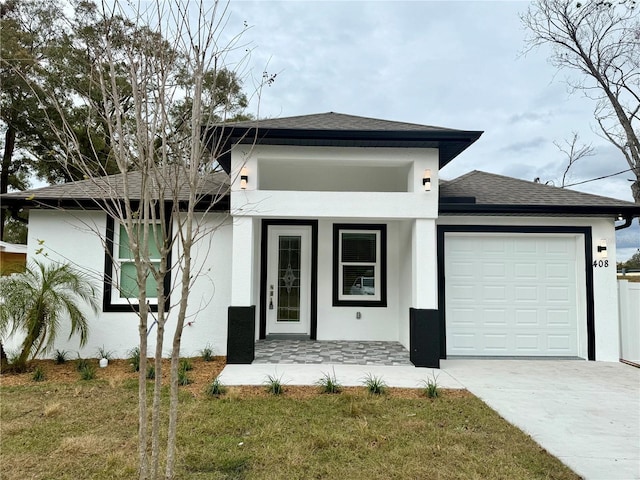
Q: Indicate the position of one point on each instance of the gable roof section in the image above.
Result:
(88, 194)
(339, 130)
(487, 193)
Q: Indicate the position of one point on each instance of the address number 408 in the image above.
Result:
(600, 263)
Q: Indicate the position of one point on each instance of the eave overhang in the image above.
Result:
(623, 211)
(449, 143)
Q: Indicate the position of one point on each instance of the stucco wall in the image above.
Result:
(77, 237)
(604, 278)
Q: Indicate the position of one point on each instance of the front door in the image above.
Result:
(288, 279)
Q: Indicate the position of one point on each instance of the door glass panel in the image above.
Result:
(289, 278)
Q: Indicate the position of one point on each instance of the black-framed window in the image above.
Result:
(120, 284)
(360, 265)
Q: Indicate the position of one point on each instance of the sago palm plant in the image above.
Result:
(37, 301)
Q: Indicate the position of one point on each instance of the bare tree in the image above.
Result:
(573, 152)
(154, 69)
(601, 41)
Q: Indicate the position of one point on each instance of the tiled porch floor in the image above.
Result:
(347, 353)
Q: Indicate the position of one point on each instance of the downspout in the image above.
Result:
(627, 223)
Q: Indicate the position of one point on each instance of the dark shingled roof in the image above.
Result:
(500, 194)
(88, 192)
(337, 121)
(338, 130)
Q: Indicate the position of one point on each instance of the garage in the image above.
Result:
(514, 294)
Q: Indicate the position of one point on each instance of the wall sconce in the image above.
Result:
(244, 178)
(602, 248)
(426, 180)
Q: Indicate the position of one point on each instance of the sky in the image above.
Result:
(456, 64)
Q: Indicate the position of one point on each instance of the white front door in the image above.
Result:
(288, 279)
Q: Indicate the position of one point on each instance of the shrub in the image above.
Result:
(185, 364)
(274, 385)
(431, 388)
(375, 385)
(104, 353)
(38, 375)
(207, 353)
(215, 388)
(329, 384)
(88, 372)
(60, 356)
(151, 372)
(183, 378)
(134, 358)
(81, 364)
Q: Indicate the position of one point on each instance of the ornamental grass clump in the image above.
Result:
(375, 385)
(329, 383)
(273, 385)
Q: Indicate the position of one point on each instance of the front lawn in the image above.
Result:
(77, 429)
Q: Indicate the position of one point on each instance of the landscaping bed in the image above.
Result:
(68, 428)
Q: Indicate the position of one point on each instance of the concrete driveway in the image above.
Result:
(585, 413)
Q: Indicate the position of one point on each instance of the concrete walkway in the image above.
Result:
(585, 413)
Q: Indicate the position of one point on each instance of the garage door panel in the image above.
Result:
(560, 344)
(527, 344)
(494, 270)
(464, 342)
(494, 293)
(495, 343)
(525, 271)
(526, 318)
(558, 294)
(511, 295)
(559, 318)
(493, 317)
(463, 317)
(557, 271)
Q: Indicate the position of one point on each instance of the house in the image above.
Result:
(337, 227)
(13, 257)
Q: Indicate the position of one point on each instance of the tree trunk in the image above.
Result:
(635, 191)
(7, 155)
(175, 357)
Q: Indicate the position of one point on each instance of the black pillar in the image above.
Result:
(241, 335)
(424, 337)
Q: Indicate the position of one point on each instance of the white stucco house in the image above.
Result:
(336, 227)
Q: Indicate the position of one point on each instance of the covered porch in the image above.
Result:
(297, 351)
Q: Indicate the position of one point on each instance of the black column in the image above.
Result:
(424, 337)
(241, 335)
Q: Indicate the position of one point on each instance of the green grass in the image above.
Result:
(87, 430)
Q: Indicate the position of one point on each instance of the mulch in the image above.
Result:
(201, 375)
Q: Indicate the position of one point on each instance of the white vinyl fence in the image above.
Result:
(629, 300)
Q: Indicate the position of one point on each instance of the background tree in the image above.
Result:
(633, 262)
(573, 151)
(37, 301)
(157, 80)
(42, 50)
(601, 42)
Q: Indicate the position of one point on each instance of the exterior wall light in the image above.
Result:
(602, 248)
(426, 180)
(244, 178)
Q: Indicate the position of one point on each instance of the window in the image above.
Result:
(121, 288)
(360, 265)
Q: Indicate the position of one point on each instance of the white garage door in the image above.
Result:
(511, 295)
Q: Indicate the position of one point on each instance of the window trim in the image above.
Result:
(381, 246)
(112, 302)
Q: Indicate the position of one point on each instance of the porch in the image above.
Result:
(287, 351)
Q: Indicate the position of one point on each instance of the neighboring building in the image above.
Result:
(342, 230)
(13, 257)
